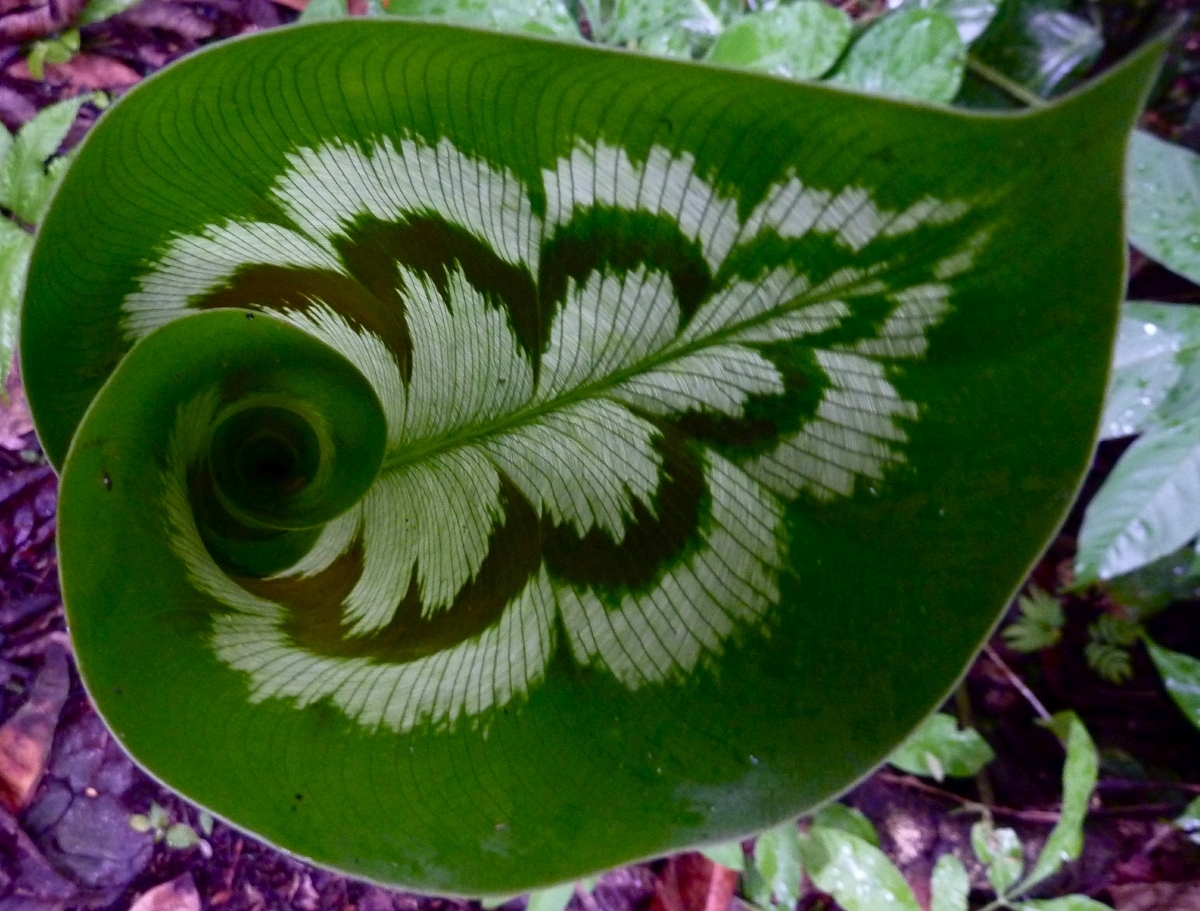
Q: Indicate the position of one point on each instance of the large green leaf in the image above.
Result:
(1164, 203)
(939, 748)
(1156, 368)
(856, 873)
(28, 183)
(707, 395)
(1147, 507)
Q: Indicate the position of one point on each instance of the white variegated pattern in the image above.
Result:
(575, 434)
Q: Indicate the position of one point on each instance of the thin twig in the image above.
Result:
(1002, 82)
(1017, 682)
(1049, 817)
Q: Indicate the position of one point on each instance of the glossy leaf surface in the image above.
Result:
(950, 886)
(1080, 771)
(1181, 676)
(801, 40)
(1156, 368)
(938, 748)
(856, 873)
(665, 354)
(910, 54)
(1164, 203)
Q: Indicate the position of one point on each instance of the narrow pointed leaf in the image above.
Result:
(856, 873)
(1158, 351)
(1181, 676)
(664, 353)
(16, 246)
(1065, 841)
(29, 186)
(938, 748)
(950, 886)
(910, 54)
(1164, 203)
(801, 40)
(1148, 507)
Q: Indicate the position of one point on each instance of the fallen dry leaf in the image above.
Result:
(1157, 896)
(37, 20)
(15, 419)
(26, 737)
(692, 882)
(177, 895)
(82, 73)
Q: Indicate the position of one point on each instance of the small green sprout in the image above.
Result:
(1040, 624)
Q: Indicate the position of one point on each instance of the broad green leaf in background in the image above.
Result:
(1001, 853)
(28, 185)
(949, 885)
(1164, 203)
(1038, 44)
(910, 54)
(1147, 507)
(856, 873)
(1065, 841)
(1181, 676)
(778, 867)
(16, 246)
(642, 360)
(835, 815)
(938, 748)
(1066, 903)
(1189, 821)
(971, 16)
(1158, 352)
(728, 854)
(1040, 624)
(99, 10)
(556, 898)
(801, 40)
(324, 11)
(539, 17)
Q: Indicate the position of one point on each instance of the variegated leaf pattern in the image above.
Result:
(574, 419)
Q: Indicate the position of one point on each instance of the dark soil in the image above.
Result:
(70, 843)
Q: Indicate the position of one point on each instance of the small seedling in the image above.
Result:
(179, 835)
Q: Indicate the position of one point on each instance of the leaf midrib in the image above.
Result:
(419, 451)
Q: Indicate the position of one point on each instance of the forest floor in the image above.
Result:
(65, 834)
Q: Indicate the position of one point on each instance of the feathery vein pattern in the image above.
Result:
(576, 415)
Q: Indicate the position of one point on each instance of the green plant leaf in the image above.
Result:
(140, 823)
(1181, 676)
(778, 866)
(972, 17)
(836, 815)
(556, 898)
(27, 184)
(158, 817)
(1039, 44)
(676, 28)
(728, 854)
(1065, 841)
(99, 10)
(1164, 203)
(802, 40)
(324, 11)
(1107, 651)
(856, 873)
(938, 748)
(1189, 821)
(539, 17)
(181, 836)
(1155, 369)
(1000, 851)
(910, 54)
(205, 821)
(1040, 624)
(949, 886)
(1066, 903)
(16, 246)
(1147, 590)
(1148, 507)
(657, 355)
